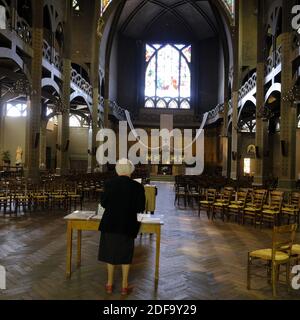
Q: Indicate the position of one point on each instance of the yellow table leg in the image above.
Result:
(157, 253)
(69, 250)
(79, 236)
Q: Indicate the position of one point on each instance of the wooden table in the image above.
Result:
(84, 221)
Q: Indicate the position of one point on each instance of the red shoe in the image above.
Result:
(108, 289)
(126, 291)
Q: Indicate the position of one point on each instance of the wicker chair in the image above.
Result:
(220, 205)
(272, 211)
(252, 210)
(206, 204)
(237, 206)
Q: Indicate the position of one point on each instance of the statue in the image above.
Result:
(19, 154)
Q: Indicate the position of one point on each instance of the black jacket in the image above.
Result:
(122, 199)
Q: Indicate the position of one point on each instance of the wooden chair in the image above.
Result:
(237, 206)
(206, 204)
(3, 202)
(22, 200)
(283, 237)
(252, 210)
(40, 199)
(271, 212)
(193, 194)
(181, 192)
(291, 211)
(220, 205)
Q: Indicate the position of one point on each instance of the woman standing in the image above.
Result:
(122, 199)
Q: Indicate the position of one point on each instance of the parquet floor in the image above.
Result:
(199, 259)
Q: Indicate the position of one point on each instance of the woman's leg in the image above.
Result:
(110, 274)
(125, 272)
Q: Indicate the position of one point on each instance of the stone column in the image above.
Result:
(288, 110)
(93, 131)
(63, 130)
(34, 108)
(225, 172)
(235, 95)
(261, 126)
(2, 117)
(63, 134)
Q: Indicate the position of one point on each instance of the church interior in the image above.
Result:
(227, 71)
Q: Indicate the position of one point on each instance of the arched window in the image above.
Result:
(168, 76)
(76, 121)
(248, 126)
(16, 110)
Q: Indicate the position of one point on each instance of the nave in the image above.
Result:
(199, 259)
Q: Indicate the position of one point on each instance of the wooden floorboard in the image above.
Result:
(200, 259)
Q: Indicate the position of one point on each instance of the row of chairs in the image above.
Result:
(258, 206)
(31, 201)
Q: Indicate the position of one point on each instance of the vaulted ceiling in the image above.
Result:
(187, 19)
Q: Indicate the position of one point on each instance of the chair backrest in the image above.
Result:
(242, 195)
(259, 197)
(295, 199)
(276, 198)
(211, 194)
(283, 239)
(227, 194)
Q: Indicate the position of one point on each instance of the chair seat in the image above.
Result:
(251, 209)
(296, 249)
(206, 202)
(235, 206)
(290, 210)
(271, 212)
(267, 207)
(266, 254)
(236, 203)
(221, 204)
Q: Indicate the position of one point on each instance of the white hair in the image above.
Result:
(124, 167)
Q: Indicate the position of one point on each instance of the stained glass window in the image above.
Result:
(16, 110)
(168, 76)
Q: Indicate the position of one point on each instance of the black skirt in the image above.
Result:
(116, 249)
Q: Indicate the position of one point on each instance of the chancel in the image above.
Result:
(200, 100)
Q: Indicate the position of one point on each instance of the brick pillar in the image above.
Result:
(93, 132)
(288, 110)
(235, 95)
(261, 136)
(2, 111)
(63, 134)
(63, 130)
(234, 136)
(34, 108)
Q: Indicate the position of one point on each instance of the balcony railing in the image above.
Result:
(81, 83)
